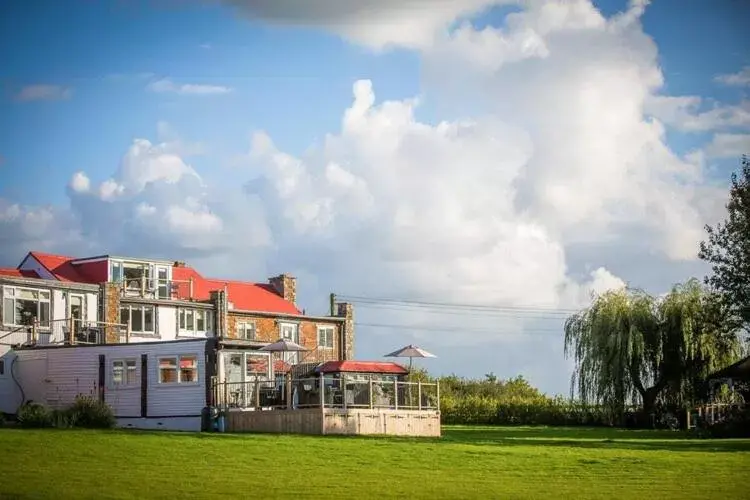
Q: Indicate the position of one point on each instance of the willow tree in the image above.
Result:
(629, 346)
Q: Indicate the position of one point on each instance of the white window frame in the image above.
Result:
(178, 358)
(136, 382)
(143, 308)
(182, 316)
(242, 329)
(10, 294)
(290, 357)
(322, 329)
(245, 355)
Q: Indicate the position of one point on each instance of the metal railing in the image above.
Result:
(346, 391)
(149, 288)
(72, 331)
(710, 414)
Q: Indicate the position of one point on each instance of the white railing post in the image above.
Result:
(437, 389)
(395, 393)
(419, 395)
(322, 391)
(343, 390)
(370, 390)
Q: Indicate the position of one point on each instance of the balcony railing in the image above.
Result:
(71, 331)
(148, 288)
(348, 391)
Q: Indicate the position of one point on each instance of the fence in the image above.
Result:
(342, 392)
(709, 413)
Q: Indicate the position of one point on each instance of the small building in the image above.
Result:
(188, 385)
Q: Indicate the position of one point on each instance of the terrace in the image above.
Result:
(330, 400)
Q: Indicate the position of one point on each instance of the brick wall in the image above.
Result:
(267, 330)
(110, 313)
(219, 299)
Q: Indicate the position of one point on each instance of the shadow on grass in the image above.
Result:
(591, 438)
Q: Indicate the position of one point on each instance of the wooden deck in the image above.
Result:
(337, 421)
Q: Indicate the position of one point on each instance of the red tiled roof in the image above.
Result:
(61, 267)
(362, 367)
(243, 295)
(18, 273)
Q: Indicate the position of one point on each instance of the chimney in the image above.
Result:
(346, 310)
(286, 286)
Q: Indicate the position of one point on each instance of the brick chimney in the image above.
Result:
(286, 286)
(346, 310)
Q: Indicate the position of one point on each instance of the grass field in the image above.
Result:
(468, 462)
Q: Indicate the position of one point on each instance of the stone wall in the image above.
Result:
(346, 311)
(286, 286)
(109, 294)
(219, 299)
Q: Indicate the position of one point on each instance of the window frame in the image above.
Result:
(178, 359)
(125, 370)
(323, 329)
(182, 319)
(10, 293)
(242, 328)
(142, 308)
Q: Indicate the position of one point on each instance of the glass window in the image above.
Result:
(168, 370)
(136, 319)
(116, 271)
(22, 306)
(200, 321)
(189, 324)
(148, 319)
(325, 336)
(188, 369)
(246, 330)
(182, 319)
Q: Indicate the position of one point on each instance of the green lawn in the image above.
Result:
(468, 462)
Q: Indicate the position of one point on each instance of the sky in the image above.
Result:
(513, 157)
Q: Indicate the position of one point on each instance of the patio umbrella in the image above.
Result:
(283, 345)
(410, 352)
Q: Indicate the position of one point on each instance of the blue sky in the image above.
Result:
(541, 203)
(292, 83)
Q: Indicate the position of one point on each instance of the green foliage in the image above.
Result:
(728, 248)
(630, 346)
(86, 412)
(91, 413)
(34, 415)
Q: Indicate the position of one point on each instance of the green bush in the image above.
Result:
(90, 413)
(34, 415)
(86, 411)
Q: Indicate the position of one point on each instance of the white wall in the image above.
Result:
(66, 372)
(59, 305)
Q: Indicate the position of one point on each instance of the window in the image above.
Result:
(140, 318)
(290, 331)
(246, 330)
(22, 305)
(195, 321)
(325, 336)
(178, 369)
(136, 275)
(124, 372)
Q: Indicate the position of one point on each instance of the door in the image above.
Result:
(233, 377)
(75, 311)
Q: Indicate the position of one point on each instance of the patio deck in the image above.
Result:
(324, 405)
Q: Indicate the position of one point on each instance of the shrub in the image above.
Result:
(34, 415)
(91, 413)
